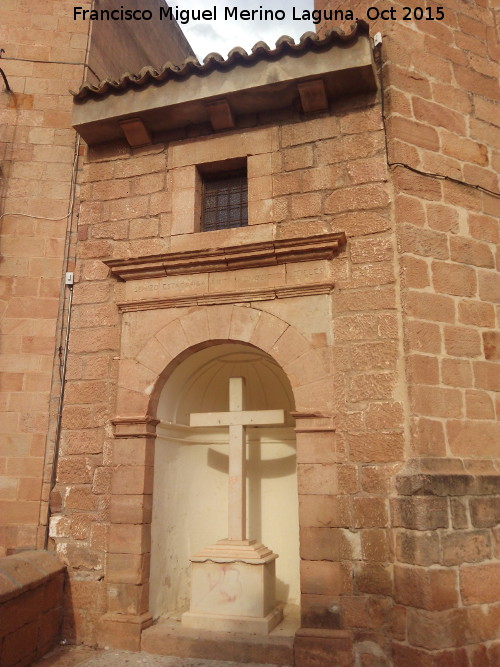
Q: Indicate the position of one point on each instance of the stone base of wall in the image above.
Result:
(447, 564)
(31, 606)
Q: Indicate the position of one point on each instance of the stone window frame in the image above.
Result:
(216, 174)
(190, 159)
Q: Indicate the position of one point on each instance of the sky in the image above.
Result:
(221, 36)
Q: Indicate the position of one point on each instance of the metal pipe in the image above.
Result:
(57, 438)
(62, 367)
(7, 87)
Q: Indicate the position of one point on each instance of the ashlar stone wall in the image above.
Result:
(44, 57)
(440, 82)
(310, 175)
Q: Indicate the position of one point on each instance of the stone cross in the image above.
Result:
(237, 419)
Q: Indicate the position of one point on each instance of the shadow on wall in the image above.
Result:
(190, 495)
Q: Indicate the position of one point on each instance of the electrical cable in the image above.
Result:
(63, 348)
(57, 437)
(54, 62)
(442, 177)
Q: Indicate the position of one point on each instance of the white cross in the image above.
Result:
(237, 419)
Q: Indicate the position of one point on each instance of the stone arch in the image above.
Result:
(307, 366)
(191, 468)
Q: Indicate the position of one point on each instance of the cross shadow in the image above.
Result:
(257, 469)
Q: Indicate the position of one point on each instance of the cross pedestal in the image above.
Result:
(233, 581)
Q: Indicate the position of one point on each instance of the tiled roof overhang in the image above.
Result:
(247, 83)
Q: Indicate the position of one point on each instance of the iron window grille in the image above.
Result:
(225, 202)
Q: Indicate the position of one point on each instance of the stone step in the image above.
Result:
(169, 637)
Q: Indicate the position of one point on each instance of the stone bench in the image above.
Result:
(31, 606)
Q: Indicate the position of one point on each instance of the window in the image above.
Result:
(224, 200)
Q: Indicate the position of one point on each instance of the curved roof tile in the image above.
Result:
(214, 61)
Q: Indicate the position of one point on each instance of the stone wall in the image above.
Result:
(44, 56)
(394, 391)
(398, 512)
(440, 82)
(447, 566)
(31, 606)
(326, 173)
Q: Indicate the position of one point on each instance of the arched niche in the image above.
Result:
(191, 470)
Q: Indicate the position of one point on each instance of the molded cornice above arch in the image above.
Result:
(246, 256)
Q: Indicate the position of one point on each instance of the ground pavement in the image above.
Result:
(82, 656)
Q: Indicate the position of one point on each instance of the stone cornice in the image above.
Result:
(146, 107)
(252, 255)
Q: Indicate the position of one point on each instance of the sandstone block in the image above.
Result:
(432, 589)
(127, 598)
(129, 539)
(133, 452)
(324, 511)
(369, 512)
(127, 568)
(485, 512)
(317, 478)
(475, 439)
(131, 509)
(373, 578)
(420, 513)
(132, 480)
(319, 611)
(436, 629)
(418, 548)
(324, 578)
(375, 545)
(480, 584)
(423, 336)
(316, 650)
(376, 447)
(462, 342)
(465, 547)
(427, 306)
(329, 544)
(479, 405)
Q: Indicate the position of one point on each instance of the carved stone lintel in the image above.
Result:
(134, 427)
(228, 297)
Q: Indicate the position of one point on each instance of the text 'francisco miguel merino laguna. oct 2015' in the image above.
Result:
(234, 13)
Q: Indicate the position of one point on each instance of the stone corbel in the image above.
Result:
(313, 95)
(136, 133)
(221, 116)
